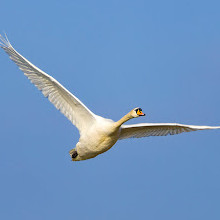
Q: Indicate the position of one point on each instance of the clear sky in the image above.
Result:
(162, 56)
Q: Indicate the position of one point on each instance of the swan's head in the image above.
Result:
(137, 112)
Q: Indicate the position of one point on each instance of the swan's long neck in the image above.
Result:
(123, 119)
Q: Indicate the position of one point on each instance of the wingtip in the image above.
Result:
(213, 127)
(4, 42)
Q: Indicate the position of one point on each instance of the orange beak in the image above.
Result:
(140, 113)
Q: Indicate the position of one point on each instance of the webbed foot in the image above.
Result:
(73, 153)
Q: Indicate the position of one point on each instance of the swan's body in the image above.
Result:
(100, 137)
(97, 134)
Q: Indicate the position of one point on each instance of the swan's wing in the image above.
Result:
(160, 129)
(62, 99)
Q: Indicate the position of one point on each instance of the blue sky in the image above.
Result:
(113, 55)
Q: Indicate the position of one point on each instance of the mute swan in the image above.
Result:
(97, 134)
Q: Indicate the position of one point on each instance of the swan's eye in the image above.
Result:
(138, 110)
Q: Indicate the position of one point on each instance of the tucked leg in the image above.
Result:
(73, 153)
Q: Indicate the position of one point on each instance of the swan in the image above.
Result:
(97, 134)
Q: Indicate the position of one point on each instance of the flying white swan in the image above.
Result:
(97, 134)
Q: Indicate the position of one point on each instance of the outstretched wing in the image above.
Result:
(62, 99)
(160, 129)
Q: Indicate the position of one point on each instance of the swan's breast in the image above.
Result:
(98, 139)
